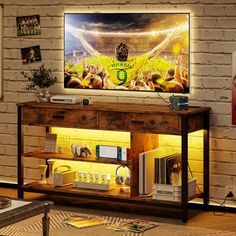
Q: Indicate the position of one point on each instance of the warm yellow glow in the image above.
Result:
(169, 143)
(195, 139)
(68, 136)
(88, 167)
(76, 32)
(173, 143)
(176, 49)
(186, 40)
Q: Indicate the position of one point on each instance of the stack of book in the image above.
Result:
(155, 166)
(146, 171)
(168, 170)
(168, 179)
(160, 175)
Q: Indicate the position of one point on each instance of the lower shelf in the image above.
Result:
(111, 195)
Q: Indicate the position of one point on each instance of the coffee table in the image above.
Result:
(21, 210)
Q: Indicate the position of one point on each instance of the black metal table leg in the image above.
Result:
(20, 164)
(46, 221)
(206, 160)
(184, 151)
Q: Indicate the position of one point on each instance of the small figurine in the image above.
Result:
(81, 150)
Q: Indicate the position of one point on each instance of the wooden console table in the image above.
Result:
(143, 122)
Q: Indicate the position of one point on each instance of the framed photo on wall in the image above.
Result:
(28, 25)
(31, 54)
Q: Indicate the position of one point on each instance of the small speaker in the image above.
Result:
(85, 101)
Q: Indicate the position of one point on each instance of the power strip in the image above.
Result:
(92, 185)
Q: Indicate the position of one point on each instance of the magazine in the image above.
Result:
(135, 226)
(80, 223)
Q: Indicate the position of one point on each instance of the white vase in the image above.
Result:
(42, 95)
(51, 172)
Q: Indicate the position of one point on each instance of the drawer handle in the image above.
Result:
(58, 117)
(137, 122)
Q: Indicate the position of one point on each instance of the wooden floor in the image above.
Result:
(198, 218)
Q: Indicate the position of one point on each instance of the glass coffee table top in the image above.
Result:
(22, 209)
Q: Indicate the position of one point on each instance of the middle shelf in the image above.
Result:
(70, 157)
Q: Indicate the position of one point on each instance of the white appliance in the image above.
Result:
(146, 171)
(64, 178)
(65, 99)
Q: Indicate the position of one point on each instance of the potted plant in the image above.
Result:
(40, 80)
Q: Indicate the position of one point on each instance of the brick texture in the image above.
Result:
(213, 40)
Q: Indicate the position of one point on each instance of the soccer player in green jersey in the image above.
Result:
(121, 70)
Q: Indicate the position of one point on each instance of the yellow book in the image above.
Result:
(80, 223)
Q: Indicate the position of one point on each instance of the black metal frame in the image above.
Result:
(206, 160)
(8, 185)
(20, 163)
(184, 149)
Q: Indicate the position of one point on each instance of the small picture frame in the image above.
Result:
(31, 54)
(28, 25)
(50, 143)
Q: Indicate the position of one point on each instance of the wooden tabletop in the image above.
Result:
(121, 107)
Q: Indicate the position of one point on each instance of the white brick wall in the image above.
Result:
(213, 31)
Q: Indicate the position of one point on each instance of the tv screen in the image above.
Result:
(127, 51)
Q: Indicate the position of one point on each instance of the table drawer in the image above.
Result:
(114, 120)
(33, 116)
(155, 123)
(71, 118)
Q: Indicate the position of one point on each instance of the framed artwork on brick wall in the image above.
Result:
(28, 25)
(234, 88)
(148, 52)
(1, 52)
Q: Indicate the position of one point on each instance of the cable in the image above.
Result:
(222, 204)
(162, 98)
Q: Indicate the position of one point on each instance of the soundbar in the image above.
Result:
(65, 99)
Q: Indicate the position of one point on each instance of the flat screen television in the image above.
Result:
(127, 51)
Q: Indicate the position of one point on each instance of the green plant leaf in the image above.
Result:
(40, 78)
